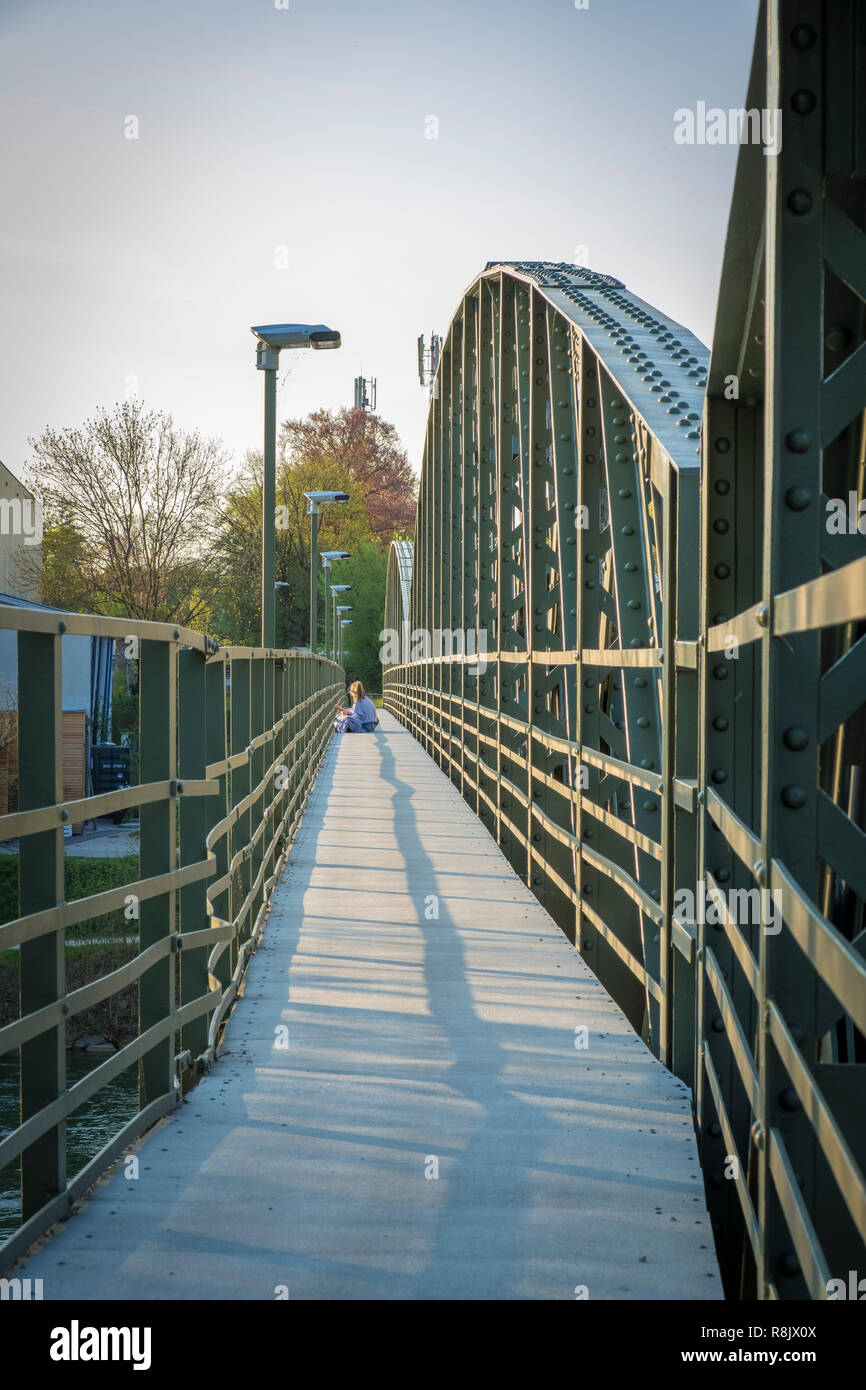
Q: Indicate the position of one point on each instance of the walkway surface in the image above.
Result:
(429, 1006)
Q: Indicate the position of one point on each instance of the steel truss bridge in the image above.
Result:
(672, 701)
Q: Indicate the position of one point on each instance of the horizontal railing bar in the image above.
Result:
(740, 838)
(744, 628)
(615, 767)
(734, 1035)
(637, 969)
(69, 914)
(840, 967)
(753, 1227)
(844, 1167)
(833, 598)
(68, 1005)
(565, 888)
(812, 1263)
(41, 818)
(274, 653)
(737, 942)
(565, 837)
(621, 658)
(622, 828)
(66, 1104)
(624, 881)
(58, 1207)
(683, 938)
(94, 625)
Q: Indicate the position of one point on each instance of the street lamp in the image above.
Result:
(272, 338)
(327, 557)
(335, 590)
(315, 501)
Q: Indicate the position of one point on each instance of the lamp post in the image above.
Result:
(344, 622)
(272, 338)
(315, 501)
(335, 590)
(344, 609)
(327, 557)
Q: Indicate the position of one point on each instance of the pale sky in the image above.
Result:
(282, 173)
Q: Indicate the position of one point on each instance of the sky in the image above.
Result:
(282, 169)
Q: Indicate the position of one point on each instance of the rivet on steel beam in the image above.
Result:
(762, 617)
(798, 441)
(61, 626)
(803, 102)
(794, 796)
(796, 738)
(798, 498)
(837, 338)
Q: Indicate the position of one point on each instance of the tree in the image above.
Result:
(130, 506)
(345, 450)
(366, 452)
(367, 572)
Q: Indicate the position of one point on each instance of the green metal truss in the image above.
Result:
(676, 668)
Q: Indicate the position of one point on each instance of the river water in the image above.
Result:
(92, 1125)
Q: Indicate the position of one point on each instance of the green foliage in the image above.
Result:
(82, 878)
(367, 572)
(346, 450)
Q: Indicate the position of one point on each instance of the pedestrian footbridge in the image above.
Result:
(492, 1044)
(423, 1092)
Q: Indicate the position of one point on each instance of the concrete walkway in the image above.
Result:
(417, 1044)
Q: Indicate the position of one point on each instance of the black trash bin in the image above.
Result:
(109, 770)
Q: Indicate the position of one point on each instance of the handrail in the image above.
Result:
(225, 775)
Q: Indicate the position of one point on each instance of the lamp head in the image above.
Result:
(296, 335)
(315, 500)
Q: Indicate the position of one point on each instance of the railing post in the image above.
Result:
(217, 750)
(192, 740)
(274, 706)
(257, 772)
(158, 855)
(40, 859)
(240, 740)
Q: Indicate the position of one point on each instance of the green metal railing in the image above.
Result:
(672, 703)
(230, 741)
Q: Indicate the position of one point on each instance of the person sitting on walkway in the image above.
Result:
(362, 717)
